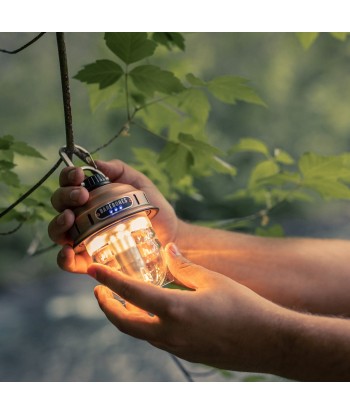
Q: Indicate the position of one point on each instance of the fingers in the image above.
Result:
(59, 226)
(155, 300)
(71, 194)
(185, 272)
(137, 324)
(69, 197)
(71, 176)
(116, 170)
(68, 260)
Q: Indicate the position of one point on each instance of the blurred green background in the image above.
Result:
(50, 326)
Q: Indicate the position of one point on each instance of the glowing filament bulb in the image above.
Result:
(130, 246)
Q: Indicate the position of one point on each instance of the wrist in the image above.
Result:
(184, 238)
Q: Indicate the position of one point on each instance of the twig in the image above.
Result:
(125, 128)
(31, 190)
(13, 230)
(182, 368)
(12, 52)
(61, 46)
(43, 250)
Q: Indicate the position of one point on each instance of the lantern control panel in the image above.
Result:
(112, 208)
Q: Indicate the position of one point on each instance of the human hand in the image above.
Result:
(217, 322)
(71, 195)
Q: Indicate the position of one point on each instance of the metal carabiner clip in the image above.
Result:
(80, 152)
(83, 155)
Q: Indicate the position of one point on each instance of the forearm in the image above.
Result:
(306, 274)
(312, 348)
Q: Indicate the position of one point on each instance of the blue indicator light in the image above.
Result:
(113, 207)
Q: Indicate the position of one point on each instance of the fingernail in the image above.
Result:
(75, 195)
(61, 219)
(174, 249)
(72, 175)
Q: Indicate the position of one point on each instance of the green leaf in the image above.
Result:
(103, 72)
(262, 170)
(337, 167)
(6, 142)
(178, 159)
(339, 35)
(283, 157)
(328, 188)
(197, 147)
(6, 165)
(250, 144)
(300, 195)
(230, 89)
(20, 147)
(147, 163)
(150, 78)
(130, 47)
(280, 179)
(326, 174)
(13, 215)
(196, 104)
(106, 98)
(9, 178)
(307, 38)
(195, 81)
(169, 39)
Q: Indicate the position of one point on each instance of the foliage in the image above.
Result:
(174, 110)
(33, 209)
(308, 38)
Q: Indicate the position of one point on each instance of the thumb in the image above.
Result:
(184, 271)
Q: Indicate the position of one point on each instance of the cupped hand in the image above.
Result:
(216, 322)
(71, 195)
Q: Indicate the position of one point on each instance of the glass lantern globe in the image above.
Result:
(114, 228)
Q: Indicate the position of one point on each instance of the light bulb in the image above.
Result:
(130, 246)
(114, 228)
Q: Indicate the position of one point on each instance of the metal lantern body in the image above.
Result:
(114, 228)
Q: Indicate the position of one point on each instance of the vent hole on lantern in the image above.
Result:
(137, 200)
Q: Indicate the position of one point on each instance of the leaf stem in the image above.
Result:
(12, 52)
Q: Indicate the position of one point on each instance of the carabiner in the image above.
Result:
(80, 152)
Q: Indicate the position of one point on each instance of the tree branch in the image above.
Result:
(61, 46)
(31, 190)
(13, 230)
(12, 52)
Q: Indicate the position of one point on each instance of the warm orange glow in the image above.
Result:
(142, 222)
(132, 247)
(96, 243)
